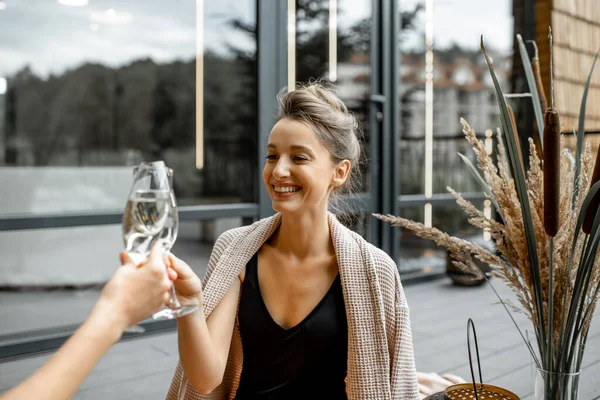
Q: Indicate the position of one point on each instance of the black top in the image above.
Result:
(306, 361)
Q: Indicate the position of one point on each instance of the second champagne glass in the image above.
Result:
(151, 216)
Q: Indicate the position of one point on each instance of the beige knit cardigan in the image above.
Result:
(380, 350)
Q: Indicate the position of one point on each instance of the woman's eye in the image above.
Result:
(271, 157)
(300, 158)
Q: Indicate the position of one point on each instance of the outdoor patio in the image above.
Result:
(142, 368)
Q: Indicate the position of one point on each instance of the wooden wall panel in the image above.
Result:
(543, 14)
(576, 38)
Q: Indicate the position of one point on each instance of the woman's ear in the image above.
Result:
(341, 172)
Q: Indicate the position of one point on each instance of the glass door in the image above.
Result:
(333, 40)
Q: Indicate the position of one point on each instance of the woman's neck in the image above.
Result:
(304, 236)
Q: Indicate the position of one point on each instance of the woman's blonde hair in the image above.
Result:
(318, 106)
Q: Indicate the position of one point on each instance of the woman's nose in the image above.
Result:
(281, 169)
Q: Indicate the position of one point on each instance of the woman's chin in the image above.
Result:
(284, 207)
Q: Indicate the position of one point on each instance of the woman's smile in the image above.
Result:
(285, 191)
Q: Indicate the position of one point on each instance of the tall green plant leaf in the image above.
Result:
(581, 127)
(590, 308)
(563, 347)
(580, 289)
(569, 327)
(584, 207)
(521, 187)
(535, 96)
(581, 348)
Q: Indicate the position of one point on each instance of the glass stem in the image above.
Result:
(174, 303)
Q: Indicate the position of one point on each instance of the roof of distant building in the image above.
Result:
(462, 73)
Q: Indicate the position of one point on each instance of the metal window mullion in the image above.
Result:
(386, 200)
(407, 201)
(376, 109)
(186, 213)
(199, 84)
(16, 346)
(394, 118)
(272, 24)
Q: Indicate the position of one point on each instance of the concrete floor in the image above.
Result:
(142, 368)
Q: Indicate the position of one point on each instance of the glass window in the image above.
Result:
(88, 92)
(333, 43)
(114, 83)
(231, 170)
(56, 282)
(430, 125)
(444, 78)
(419, 255)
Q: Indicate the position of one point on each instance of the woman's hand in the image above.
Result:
(187, 284)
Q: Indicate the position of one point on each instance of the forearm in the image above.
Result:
(62, 375)
(204, 341)
(198, 353)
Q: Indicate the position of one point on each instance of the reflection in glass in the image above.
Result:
(418, 255)
(353, 70)
(346, 63)
(461, 88)
(435, 50)
(123, 90)
(421, 255)
(88, 92)
(230, 172)
(35, 309)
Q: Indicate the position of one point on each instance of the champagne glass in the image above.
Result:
(151, 217)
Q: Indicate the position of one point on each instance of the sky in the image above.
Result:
(52, 38)
(464, 21)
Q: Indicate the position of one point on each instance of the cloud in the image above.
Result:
(52, 38)
(464, 21)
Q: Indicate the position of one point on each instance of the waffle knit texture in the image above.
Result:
(381, 362)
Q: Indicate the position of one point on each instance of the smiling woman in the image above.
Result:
(298, 301)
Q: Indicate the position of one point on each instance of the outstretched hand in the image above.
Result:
(134, 292)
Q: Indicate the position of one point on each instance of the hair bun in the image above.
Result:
(318, 105)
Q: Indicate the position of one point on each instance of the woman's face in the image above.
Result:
(299, 173)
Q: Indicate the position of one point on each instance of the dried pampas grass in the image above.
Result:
(548, 236)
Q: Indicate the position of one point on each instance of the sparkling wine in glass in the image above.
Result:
(151, 217)
(148, 218)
